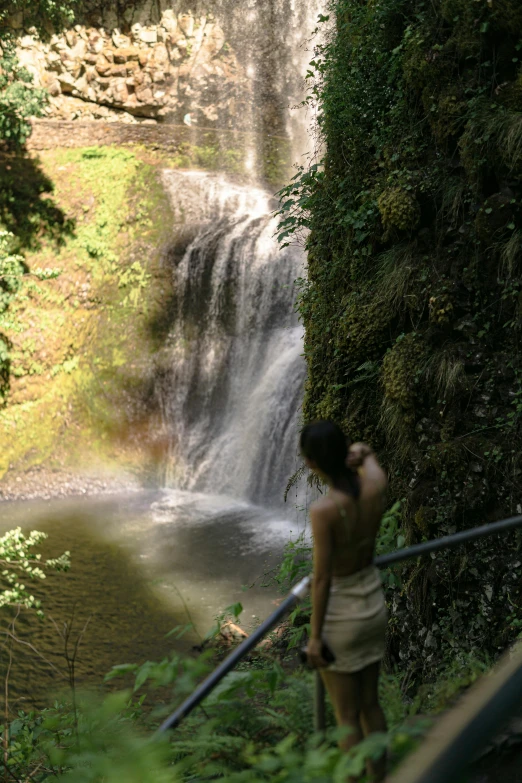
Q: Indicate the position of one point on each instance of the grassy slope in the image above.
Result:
(80, 341)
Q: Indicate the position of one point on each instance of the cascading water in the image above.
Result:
(232, 393)
(230, 378)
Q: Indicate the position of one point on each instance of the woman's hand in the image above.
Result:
(313, 652)
(357, 453)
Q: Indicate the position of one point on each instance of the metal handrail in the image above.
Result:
(296, 594)
(448, 542)
(299, 592)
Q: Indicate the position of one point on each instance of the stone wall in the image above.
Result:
(51, 134)
(181, 69)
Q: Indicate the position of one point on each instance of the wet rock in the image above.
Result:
(66, 82)
(96, 43)
(103, 66)
(186, 24)
(120, 92)
(71, 38)
(231, 633)
(149, 36)
(169, 21)
(144, 94)
(54, 87)
(144, 56)
(117, 71)
(120, 41)
(124, 55)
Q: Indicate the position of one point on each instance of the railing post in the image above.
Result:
(319, 704)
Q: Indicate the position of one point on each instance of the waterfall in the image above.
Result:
(233, 370)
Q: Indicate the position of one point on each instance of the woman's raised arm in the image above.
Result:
(360, 455)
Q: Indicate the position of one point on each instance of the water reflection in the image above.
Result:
(139, 562)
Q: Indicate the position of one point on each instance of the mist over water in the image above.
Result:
(273, 40)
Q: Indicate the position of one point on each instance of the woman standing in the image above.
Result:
(348, 609)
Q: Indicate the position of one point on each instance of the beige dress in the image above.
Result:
(356, 617)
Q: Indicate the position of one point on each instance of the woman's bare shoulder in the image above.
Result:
(328, 507)
(324, 509)
(321, 505)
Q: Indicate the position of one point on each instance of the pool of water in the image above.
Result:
(142, 563)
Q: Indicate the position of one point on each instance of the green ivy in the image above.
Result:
(11, 270)
(412, 305)
(19, 99)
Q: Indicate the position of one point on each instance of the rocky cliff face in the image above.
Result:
(180, 68)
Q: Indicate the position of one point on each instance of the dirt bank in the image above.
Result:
(47, 483)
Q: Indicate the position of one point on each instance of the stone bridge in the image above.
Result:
(49, 134)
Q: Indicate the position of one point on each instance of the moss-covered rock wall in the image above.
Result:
(413, 303)
(81, 331)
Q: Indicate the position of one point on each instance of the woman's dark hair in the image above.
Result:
(324, 443)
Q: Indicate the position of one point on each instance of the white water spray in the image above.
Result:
(231, 395)
(233, 371)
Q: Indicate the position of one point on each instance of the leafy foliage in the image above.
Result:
(257, 725)
(18, 561)
(27, 215)
(42, 14)
(11, 271)
(27, 207)
(97, 742)
(413, 227)
(19, 99)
